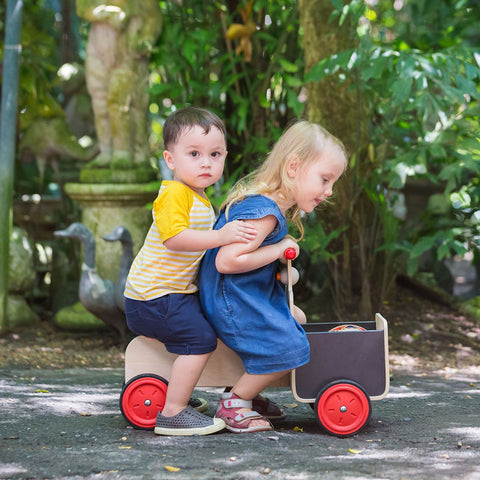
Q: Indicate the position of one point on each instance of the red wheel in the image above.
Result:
(342, 408)
(142, 398)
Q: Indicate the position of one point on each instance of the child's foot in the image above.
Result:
(188, 422)
(199, 404)
(238, 415)
(267, 408)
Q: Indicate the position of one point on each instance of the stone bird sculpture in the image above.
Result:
(96, 294)
(121, 234)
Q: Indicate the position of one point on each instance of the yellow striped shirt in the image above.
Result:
(157, 271)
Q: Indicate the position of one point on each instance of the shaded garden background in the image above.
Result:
(396, 81)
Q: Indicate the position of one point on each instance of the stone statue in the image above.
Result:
(47, 141)
(21, 280)
(96, 294)
(120, 41)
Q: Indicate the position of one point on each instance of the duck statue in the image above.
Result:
(121, 234)
(96, 294)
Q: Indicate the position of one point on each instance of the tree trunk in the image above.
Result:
(340, 110)
(329, 103)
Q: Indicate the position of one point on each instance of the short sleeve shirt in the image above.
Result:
(156, 270)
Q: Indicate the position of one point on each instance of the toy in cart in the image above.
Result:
(348, 368)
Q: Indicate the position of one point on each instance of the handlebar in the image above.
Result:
(290, 253)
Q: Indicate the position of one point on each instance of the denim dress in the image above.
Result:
(249, 311)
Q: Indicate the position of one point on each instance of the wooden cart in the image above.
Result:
(347, 369)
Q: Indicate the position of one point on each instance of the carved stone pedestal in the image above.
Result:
(106, 205)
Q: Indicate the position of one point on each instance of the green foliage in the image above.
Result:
(318, 242)
(418, 73)
(38, 89)
(38, 93)
(194, 63)
(414, 67)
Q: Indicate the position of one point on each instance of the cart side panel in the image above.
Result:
(149, 356)
(347, 355)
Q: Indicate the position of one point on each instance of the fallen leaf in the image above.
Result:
(125, 447)
(39, 390)
(169, 468)
(352, 450)
(290, 405)
(298, 429)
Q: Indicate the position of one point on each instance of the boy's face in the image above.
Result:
(197, 159)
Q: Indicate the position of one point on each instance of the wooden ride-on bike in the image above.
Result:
(348, 368)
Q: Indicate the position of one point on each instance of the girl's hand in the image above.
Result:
(299, 315)
(285, 243)
(237, 231)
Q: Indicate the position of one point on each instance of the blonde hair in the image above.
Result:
(304, 140)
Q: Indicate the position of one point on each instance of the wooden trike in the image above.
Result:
(348, 367)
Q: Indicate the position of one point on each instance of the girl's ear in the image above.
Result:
(293, 166)
(167, 156)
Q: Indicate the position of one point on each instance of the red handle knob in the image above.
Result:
(290, 253)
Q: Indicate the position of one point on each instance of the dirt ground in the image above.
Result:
(423, 334)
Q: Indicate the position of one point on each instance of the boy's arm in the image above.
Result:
(190, 240)
(245, 257)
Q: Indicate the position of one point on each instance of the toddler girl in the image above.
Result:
(239, 292)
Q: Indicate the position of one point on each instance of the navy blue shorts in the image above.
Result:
(176, 320)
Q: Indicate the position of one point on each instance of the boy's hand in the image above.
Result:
(237, 231)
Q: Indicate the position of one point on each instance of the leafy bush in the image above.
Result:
(194, 63)
(420, 85)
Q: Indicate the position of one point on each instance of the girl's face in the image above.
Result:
(197, 159)
(314, 182)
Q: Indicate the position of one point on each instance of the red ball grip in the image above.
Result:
(290, 253)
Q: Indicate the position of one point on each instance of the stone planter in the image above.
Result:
(106, 205)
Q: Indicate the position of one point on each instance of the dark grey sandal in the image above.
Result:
(188, 422)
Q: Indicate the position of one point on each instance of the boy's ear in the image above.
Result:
(167, 156)
(293, 166)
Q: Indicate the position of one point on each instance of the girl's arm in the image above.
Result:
(244, 257)
(190, 240)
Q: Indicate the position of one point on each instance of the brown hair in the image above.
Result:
(186, 118)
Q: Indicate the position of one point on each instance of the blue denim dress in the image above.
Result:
(249, 311)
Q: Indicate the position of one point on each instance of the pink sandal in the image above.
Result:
(268, 408)
(227, 410)
(265, 407)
